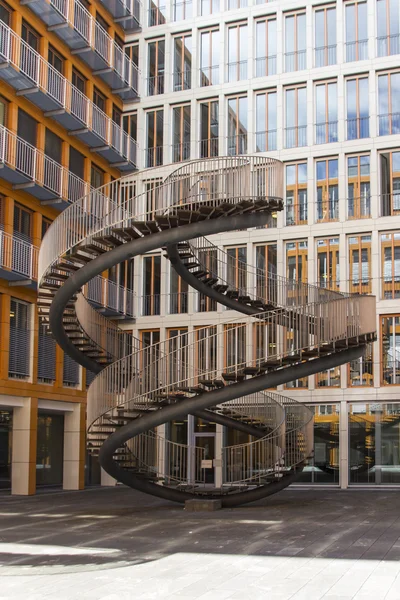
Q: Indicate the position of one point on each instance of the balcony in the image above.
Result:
(180, 151)
(209, 76)
(125, 12)
(27, 168)
(111, 299)
(18, 260)
(209, 147)
(182, 80)
(74, 24)
(155, 85)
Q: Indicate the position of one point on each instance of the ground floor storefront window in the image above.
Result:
(5, 448)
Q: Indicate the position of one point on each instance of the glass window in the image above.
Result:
(296, 193)
(46, 356)
(3, 111)
(206, 350)
(5, 442)
(295, 42)
(237, 52)
(297, 261)
(157, 12)
(390, 183)
(99, 99)
(265, 47)
(22, 223)
(360, 263)
(328, 263)
(325, 36)
(208, 258)
(71, 371)
(358, 187)
(55, 59)
(357, 105)
(209, 128)
(361, 370)
(27, 128)
(178, 294)
(19, 361)
(323, 468)
(156, 67)
(79, 81)
(5, 14)
(237, 269)
(50, 449)
(326, 128)
(390, 349)
(177, 359)
(182, 63)
(232, 4)
(151, 285)
(209, 57)
(327, 190)
(388, 24)
(266, 268)
(237, 125)
(181, 10)
(356, 17)
(390, 253)
(235, 346)
(209, 7)
(96, 176)
(30, 36)
(295, 117)
(155, 136)
(374, 449)
(181, 133)
(266, 121)
(389, 103)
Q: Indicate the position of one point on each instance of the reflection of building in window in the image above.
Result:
(182, 63)
(390, 349)
(328, 263)
(390, 253)
(296, 193)
(360, 264)
(358, 187)
(237, 125)
(327, 190)
(356, 17)
(390, 182)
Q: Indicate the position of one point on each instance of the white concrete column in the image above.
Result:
(74, 448)
(24, 442)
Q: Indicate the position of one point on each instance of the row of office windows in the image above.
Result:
(265, 52)
(20, 350)
(357, 279)
(266, 136)
(263, 340)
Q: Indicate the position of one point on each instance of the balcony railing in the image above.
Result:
(361, 373)
(156, 15)
(356, 50)
(325, 56)
(390, 204)
(388, 45)
(125, 12)
(110, 295)
(327, 210)
(265, 65)
(34, 166)
(357, 128)
(326, 133)
(209, 76)
(295, 61)
(359, 208)
(155, 85)
(209, 147)
(18, 256)
(236, 71)
(266, 140)
(295, 137)
(237, 144)
(178, 303)
(389, 124)
(154, 156)
(180, 151)
(296, 214)
(182, 80)
(391, 285)
(151, 305)
(391, 372)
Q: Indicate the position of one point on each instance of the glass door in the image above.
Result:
(207, 442)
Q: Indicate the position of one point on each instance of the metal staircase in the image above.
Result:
(304, 329)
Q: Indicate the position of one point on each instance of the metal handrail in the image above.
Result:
(18, 255)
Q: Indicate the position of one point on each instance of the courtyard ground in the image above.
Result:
(118, 544)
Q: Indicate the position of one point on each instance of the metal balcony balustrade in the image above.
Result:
(236, 71)
(266, 140)
(325, 56)
(182, 80)
(389, 124)
(359, 208)
(209, 76)
(30, 74)
(265, 65)
(327, 210)
(357, 128)
(26, 167)
(295, 61)
(18, 259)
(74, 24)
(209, 147)
(326, 133)
(296, 137)
(155, 84)
(296, 213)
(390, 204)
(111, 298)
(180, 151)
(357, 50)
(388, 45)
(125, 12)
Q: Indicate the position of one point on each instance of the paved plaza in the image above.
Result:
(118, 544)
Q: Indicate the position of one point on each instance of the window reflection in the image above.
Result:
(324, 467)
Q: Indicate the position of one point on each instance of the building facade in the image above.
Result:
(65, 73)
(314, 84)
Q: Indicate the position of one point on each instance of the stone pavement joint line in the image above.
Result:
(117, 544)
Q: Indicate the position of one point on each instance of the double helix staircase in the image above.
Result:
(300, 330)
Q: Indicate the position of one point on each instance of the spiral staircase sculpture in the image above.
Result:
(302, 330)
